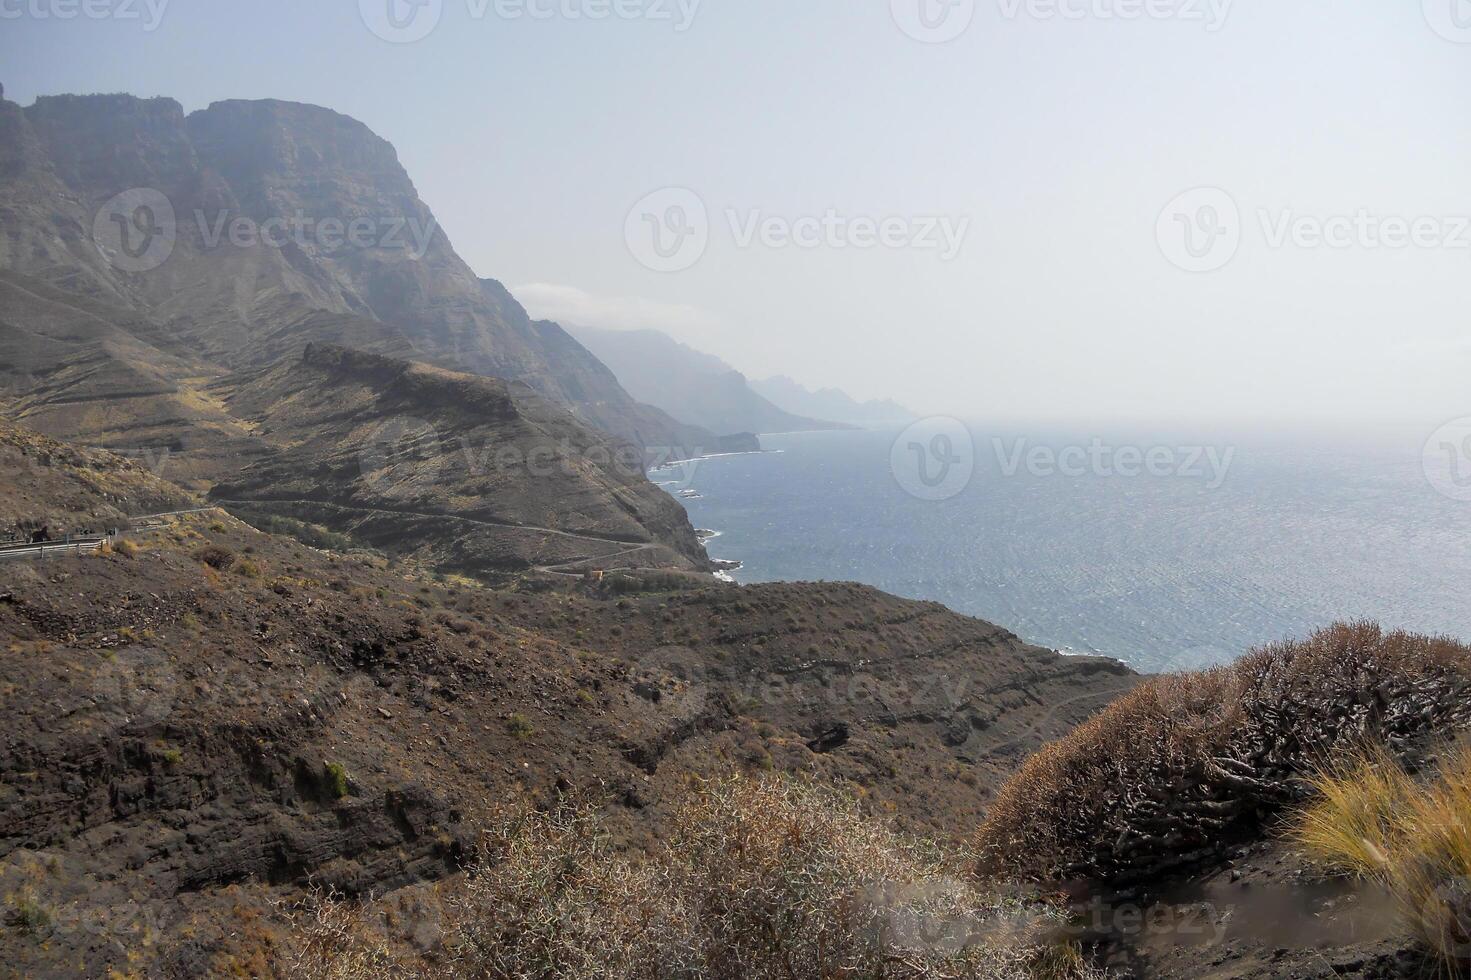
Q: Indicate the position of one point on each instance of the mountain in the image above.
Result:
(470, 473)
(249, 229)
(687, 383)
(830, 403)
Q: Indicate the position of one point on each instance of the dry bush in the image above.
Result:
(781, 880)
(334, 941)
(761, 878)
(1180, 769)
(216, 557)
(1372, 820)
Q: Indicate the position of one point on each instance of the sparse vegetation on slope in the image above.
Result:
(760, 878)
(1184, 766)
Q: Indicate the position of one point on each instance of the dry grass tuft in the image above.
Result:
(1372, 820)
(1359, 805)
(1184, 766)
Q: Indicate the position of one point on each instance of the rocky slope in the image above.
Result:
(332, 225)
(90, 372)
(66, 487)
(198, 726)
(469, 473)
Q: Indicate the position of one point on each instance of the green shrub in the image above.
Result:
(28, 915)
(520, 726)
(336, 780)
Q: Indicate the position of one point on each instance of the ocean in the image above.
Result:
(1160, 553)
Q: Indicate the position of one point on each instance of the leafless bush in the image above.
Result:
(760, 878)
(215, 556)
(1177, 770)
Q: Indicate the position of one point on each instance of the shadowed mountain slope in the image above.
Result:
(472, 473)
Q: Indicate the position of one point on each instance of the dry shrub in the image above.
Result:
(1183, 767)
(1372, 820)
(781, 880)
(334, 941)
(216, 557)
(760, 878)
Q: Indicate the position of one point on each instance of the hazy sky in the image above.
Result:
(1049, 146)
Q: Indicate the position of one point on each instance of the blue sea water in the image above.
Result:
(1162, 571)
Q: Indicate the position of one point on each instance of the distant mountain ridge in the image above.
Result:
(830, 403)
(690, 384)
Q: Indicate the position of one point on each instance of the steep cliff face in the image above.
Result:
(271, 214)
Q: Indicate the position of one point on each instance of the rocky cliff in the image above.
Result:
(250, 216)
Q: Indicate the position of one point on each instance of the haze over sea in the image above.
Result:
(1162, 571)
